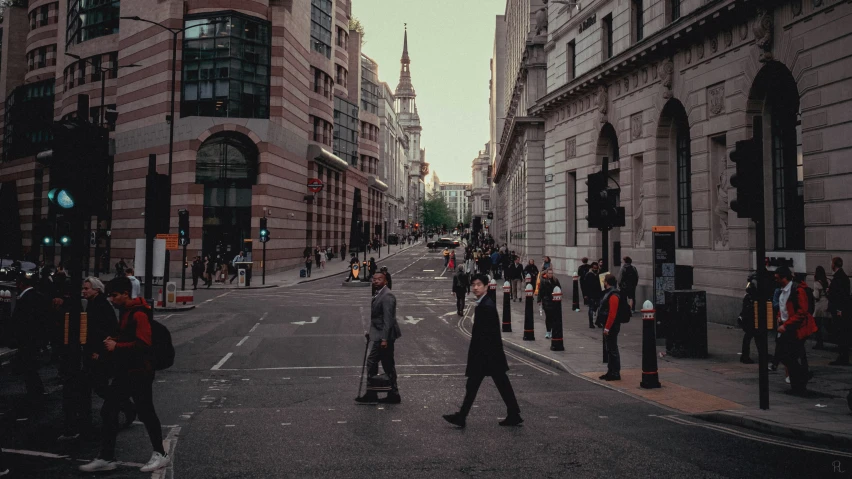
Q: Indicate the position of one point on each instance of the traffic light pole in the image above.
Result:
(762, 333)
(263, 274)
(150, 234)
(605, 228)
(183, 271)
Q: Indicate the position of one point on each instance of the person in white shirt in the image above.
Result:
(134, 282)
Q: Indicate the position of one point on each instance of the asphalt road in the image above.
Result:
(264, 382)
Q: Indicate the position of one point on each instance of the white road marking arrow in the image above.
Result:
(313, 320)
(451, 313)
(412, 320)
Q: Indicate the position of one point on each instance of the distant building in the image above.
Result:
(480, 198)
(456, 196)
(406, 107)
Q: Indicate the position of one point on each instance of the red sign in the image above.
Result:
(315, 185)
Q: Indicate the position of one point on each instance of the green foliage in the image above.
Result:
(436, 212)
(357, 26)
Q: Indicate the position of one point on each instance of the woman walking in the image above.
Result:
(820, 304)
(452, 264)
(323, 255)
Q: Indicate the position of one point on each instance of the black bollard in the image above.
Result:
(575, 297)
(507, 307)
(492, 290)
(650, 375)
(556, 343)
(529, 328)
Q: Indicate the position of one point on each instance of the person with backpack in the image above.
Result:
(615, 309)
(796, 320)
(134, 357)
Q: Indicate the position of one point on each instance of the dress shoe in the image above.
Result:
(614, 377)
(456, 419)
(391, 399)
(746, 360)
(368, 399)
(839, 362)
(604, 377)
(592, 326)
(512, 420)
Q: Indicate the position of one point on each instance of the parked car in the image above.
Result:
(443, 243)
(9, 268)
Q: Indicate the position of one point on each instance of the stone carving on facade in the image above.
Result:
(639, 219)
(714, 43)
(763, 34)
(626, 84)
(602, 102)
(571, 147)
(666, 71)
(635, 79)
(699, 50)
(424, 169)
(721, 208)
(644, 75)
(636, 126)
(716, 99)
(729, 37)
(687, 55)
(743, 31)
(541, 20)
(797, 7)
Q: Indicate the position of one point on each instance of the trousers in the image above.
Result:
(139, 386)
(516, 286)
(503, 386)
(789, 352)
(613, 366)
(385, 356)
(460, 301)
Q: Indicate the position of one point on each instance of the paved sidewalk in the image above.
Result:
(718, 388)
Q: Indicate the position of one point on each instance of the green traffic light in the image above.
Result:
(61, 198)
(264, 232)
(47, 240)
(65, 240)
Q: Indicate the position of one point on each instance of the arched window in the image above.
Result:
(226, 159)
(788, 201)
(684, 185)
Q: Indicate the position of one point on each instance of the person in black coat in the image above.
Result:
(485, 357)
(532, 270)
(460, 288)
(838, 304)
(197, 271)
(592, 292)
(29, 322)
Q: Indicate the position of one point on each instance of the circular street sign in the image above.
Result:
(315, 185)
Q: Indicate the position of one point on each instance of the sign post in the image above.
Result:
(664, 269)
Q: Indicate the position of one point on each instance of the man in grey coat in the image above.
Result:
(384, 331)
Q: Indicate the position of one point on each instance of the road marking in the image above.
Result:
(396, 420)
(48, 455)
(263, 317)
(412, 320)
(313, 320)
(242, 341)
(285, 423)
(218, 367)
(221, 362)
(254, 327)
(745, 435)
(229, 425)
(428, 270)
(341, 422)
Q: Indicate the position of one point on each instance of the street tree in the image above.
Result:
(436, 212)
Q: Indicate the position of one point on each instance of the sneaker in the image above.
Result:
(512, 420)
(3, 473)
(98, 465)
(548, 335)
(157, 461)
(746, 360)
(455, 419)
(787, 380)
(68, 436)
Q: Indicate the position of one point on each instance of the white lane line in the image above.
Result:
(298, 368)
(263, 317)
(242, 341)
(221, 362)
(254, 327)
(48, 455)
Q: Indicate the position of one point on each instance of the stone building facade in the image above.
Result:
(394, 158)
(661, 91)
(268, 94)
(417, 168)
(480, 198)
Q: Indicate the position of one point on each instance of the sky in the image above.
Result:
(450, 43)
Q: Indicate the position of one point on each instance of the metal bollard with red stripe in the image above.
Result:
(507, 307)
(575, 296)
(492, 290)
(529, 328)
(556, 343)
(650, 376)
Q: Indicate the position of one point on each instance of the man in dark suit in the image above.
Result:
(485, 357)
(838, 304)
(29, 321)
(460, 287)
(384, 331)
(592, 292)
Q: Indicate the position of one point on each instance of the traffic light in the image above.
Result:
(157, 203)
(748, 179)
(79, 166)
(63, 237)
(596, 198)
(264, 231)
(183, 227)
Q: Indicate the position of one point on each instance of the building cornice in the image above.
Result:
(517, 127)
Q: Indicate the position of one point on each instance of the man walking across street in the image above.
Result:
(613, 308)
(384, 331)
(532, 270)
(485, 357)
(460, 287)
(197, 271)
(134, 377)
(446, 254)
(629, 281)
(516, 276)
(838, 305)
(591, 292)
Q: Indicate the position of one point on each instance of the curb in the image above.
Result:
(176, 309)
(554, 363)
(776, 429)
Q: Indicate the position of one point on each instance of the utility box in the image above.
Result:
(687, 323)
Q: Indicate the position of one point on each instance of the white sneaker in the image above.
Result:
(98, 465)
(787, 380)
(3, 473)
(157, 461)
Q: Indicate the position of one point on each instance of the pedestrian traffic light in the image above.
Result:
(596, 199)
(264, 231)
(79, 164)
(748, 179)
(157, 203)
(183, 227)
(63, 237)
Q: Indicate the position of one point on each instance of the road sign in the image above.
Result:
(315, 185)
(171, 241)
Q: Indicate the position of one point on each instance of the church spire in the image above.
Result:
(405, 89)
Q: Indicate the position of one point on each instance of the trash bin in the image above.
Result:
(687, 328)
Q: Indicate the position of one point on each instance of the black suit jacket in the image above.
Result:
(29, 320)
(838, 291)
(592, 286)
(101, 322)
(485, 357)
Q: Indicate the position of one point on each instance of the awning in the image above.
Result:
(326, 158)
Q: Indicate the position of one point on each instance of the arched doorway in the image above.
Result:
(673, 149)
(607, 155)
(226, 164)
(775, 97)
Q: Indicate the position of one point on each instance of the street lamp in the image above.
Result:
(175, 32)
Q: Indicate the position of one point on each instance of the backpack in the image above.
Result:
(809, 292)
(162, 349)
(624, 313)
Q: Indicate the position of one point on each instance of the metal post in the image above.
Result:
(606, 227)
(263, 275)
(150, 234)
(760, 239)
(171, 153)
(183, 270)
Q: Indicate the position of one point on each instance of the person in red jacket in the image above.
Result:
(796, 324)
(609, 310)
(134, 377)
